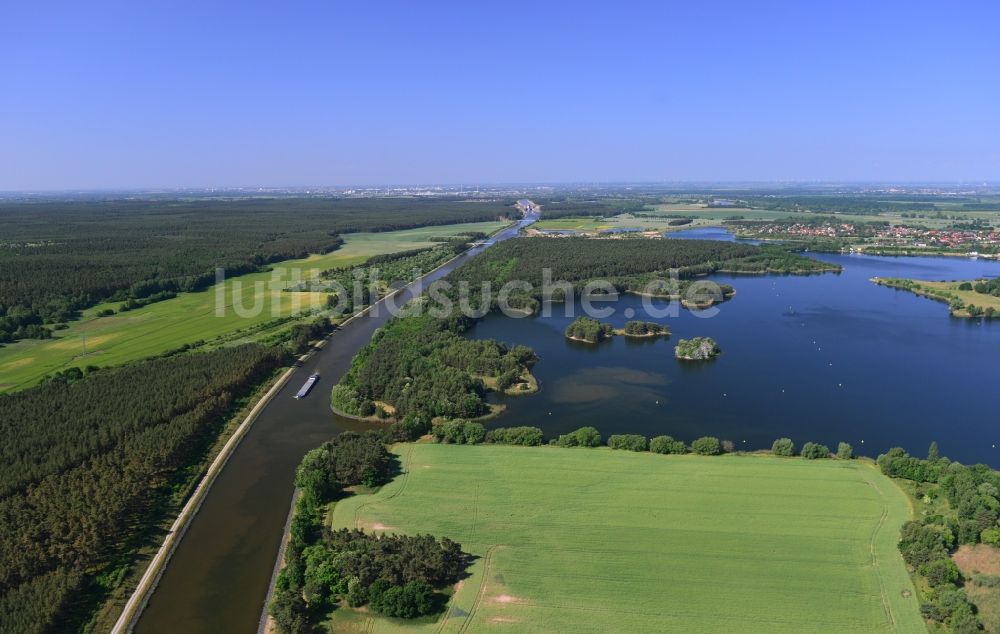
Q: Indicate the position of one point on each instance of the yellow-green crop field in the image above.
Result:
(191, 317)
(594, 540)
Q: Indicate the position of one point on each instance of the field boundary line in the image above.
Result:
(149, 580)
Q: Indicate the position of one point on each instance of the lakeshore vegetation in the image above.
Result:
(970, 298)
(422, 364)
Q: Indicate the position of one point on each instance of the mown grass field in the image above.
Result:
(594, 540)
(191, 317)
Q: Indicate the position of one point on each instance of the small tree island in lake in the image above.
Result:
(697, 349)
(643, 329)
(589, 330)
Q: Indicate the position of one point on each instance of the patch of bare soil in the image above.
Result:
(980, 558)
(506, 598)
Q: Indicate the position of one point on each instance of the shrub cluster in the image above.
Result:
(590, 437)
(527, 436)
(583, 437)
(783, 447)
(628, 442)
(459, 432)
(706, 446)
(810, 450)
(666, 445)
(814, 451)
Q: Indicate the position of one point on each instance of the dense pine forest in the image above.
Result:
(88, 465)
(59, 257)
(627, 264)
(565, 206)
(578, 259)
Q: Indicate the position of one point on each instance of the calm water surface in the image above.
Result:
(824, 358)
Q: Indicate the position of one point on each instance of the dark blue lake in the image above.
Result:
(822, 358)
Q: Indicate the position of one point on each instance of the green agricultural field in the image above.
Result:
(594, 540)
(720, 213)
(191, 317)
(623, 221)
(588, 223)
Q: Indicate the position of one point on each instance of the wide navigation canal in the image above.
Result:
(218, 576)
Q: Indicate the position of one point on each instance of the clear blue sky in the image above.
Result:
(174, 93)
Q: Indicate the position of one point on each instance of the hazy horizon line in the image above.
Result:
(469, 186)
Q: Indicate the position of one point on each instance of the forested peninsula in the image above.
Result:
(672, 266)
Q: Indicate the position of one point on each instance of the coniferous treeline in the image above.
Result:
(584, 259)
(84, 466)
(561, 206)
(627, 264)
(59, 257)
